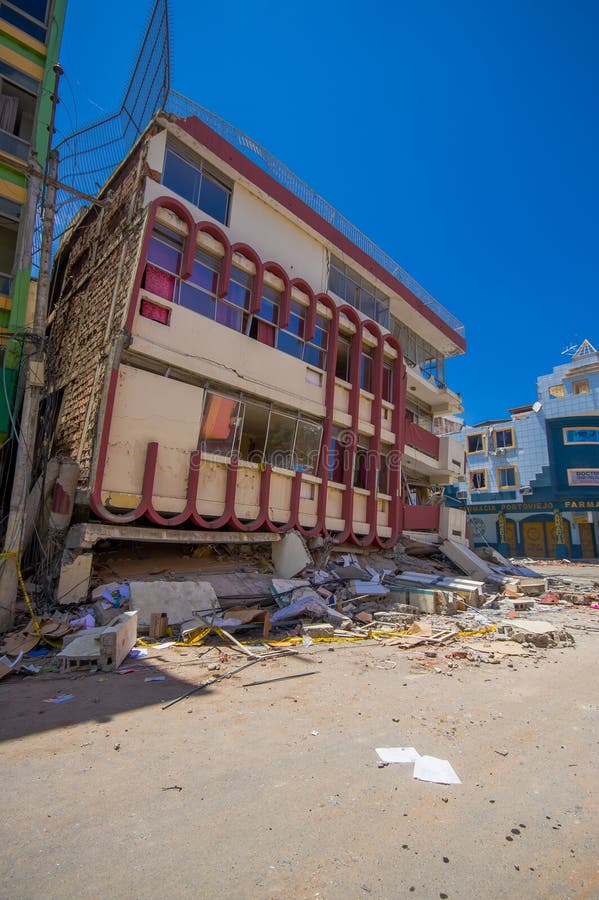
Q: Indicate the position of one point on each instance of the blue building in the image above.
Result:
(532, 480)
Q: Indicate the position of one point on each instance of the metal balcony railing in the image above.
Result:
(182, 107)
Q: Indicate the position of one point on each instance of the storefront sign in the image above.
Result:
(583, 477)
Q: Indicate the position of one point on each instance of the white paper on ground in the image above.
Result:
(398, 754)
(429, 768)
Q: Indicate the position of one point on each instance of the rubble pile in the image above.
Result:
(410, 600)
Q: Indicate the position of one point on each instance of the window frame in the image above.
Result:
(483, 450)
(559, 388)
(511, 446)
(568, 443)
(581, 383)
(507, 487)
(203, 170)
(471, 474)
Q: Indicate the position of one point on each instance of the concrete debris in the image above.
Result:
(290, 555)
(180, 600)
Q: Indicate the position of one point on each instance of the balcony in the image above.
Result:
(421, 518)
(421, 439)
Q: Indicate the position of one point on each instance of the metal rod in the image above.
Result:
(211, 681)
(280, 678)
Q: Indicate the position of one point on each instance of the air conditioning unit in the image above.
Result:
(461, 495)
(501, 451)
(526, 490)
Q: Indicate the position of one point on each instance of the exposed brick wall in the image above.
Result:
(87, 272)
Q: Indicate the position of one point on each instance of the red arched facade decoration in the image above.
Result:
(285, 306)
(229, 517)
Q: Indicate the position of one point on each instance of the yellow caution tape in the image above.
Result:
(12, 554)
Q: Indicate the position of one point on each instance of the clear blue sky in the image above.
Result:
(463, 137)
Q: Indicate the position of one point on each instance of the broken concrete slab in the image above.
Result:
(75, 574)
(107, 647)
(180, 600)
(86, 534)
(290, 555)
(320, 630)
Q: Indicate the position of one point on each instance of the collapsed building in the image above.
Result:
(229, 353)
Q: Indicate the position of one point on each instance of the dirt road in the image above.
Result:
(274, 791)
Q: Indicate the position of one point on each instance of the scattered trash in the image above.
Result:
(137, 653)
(126, 671)
(155, 678)
(390, 755)
(439, 771)
(315, 733)
(173, 787)
(60, 698)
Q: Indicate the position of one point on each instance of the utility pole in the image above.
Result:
(34, 387)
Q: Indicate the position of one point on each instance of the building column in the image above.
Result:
(503, 547)
(561, 548)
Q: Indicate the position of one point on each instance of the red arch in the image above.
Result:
(225, 269)
(310, 323)
(400, 379)
(284, 308)
(250, 253)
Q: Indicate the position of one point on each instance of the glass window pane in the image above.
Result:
(204, 277)
(388, 383)
(337, 281)
(367, 304)
(314, 356)
(8, 246)
(269, 311)
(279, 446)
(239, 288)
(219, 423)
(289, 344)
(182, 177)
(229, 315)
(253, 435)
(352, 292)
(196, 300)
(166, 254)
(307, 446)
(214, 199)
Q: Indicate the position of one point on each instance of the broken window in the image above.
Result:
(366, 369)
(388, 382)
(220, 420)
(384, 479)
(255, 428)
(504, 439)
(361, 463)
(557, 390)
(478, 479)
(17, 117)
(580, 387)
(307, 446)
(8, 249)
(343, 358)
(279, 444)
(507, 478)
(475, 443)
(191, 178)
